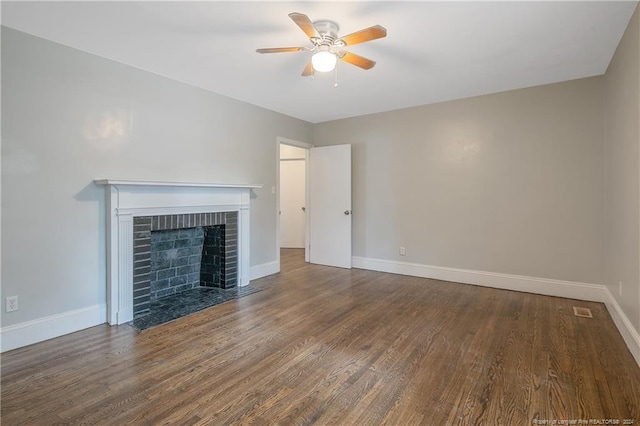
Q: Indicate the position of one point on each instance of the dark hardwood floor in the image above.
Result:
(331, 346)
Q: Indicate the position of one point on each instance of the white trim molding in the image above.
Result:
(548, 287)
(291, 142)
(38, 330)
(265, 269)
(628, 332)
(127, 182)
(544, 286)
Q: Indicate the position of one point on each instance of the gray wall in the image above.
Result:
(509, 182)
(69, 117)
(622, 183)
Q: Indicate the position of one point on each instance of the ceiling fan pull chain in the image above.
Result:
(335, 82)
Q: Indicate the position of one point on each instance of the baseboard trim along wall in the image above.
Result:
(41, 329)
(545, 286)
(628, 332)
(548, 287)
(264, 269)
(38, 330)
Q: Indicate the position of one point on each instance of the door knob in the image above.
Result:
(347, 212)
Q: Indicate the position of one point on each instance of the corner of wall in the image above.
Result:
(629, 334)
(621, 156)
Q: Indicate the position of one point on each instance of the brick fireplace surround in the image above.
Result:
(173, 253)
(142, 206)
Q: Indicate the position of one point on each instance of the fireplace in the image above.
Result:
(137, 210)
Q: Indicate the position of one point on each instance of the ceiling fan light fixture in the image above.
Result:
(324, 61)
(327, 47)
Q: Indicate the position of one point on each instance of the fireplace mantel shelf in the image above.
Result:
(124, 182)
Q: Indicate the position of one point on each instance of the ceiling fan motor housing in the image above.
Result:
(328, 31)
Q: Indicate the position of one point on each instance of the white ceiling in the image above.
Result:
(434, 51)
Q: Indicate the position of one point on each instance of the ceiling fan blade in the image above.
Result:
(308, 70)
(357, 60)
(367, 34)
(305, 24)
(281, 49)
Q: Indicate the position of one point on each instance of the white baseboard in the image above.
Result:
(628, 332)
(549, 287)
(38, 330)
(264, 269)
(41, 329)
(545, 286)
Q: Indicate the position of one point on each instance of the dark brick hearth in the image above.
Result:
(173, 253)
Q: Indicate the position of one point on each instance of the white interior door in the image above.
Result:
(330, 205)
(292, 203)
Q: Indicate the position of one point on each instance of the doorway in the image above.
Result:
(292, 195)
(324, 174)
(293, 165)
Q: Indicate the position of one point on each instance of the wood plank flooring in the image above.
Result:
(323, 345)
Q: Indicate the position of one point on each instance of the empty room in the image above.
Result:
(347, 213)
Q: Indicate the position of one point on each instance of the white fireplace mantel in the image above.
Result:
(124, 183)
(126, 199)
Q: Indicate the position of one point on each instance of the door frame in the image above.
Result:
(306, 146)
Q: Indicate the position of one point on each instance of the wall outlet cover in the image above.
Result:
(11, 304)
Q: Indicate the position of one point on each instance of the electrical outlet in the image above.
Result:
(12, 303)
(403, 251)
(620, 288)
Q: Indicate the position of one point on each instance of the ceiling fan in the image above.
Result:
(327, 46)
